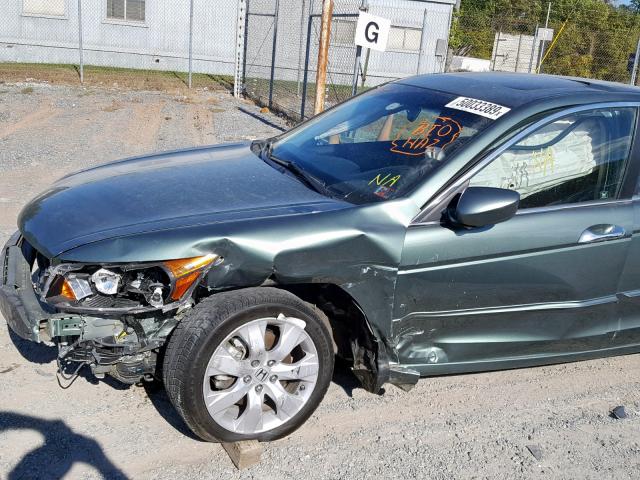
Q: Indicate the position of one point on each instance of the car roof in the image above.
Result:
(517, 89)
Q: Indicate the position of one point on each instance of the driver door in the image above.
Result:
(540, 287)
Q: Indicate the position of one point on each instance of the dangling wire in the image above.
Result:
(60, 373)
(68, 378)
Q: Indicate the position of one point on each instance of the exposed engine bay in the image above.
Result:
(115, 317)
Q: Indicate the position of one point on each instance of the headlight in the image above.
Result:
(106, 281)
(125, 288)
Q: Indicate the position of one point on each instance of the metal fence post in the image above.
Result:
(495, 51)
(323, 54)
(305, 80)
(422, 39)
(366, 67)
(246, 42)
(190, 43)
(518, 53)
(364, 7)
(356, 71)
(544, 42)
(533, 48)
(635, 64)
(301, 44)
(80, 47)
(238, 79)
(273, 53)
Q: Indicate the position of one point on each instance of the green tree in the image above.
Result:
(595, 42)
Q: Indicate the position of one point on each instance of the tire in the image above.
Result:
(211, 352)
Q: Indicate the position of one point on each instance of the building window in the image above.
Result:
(45, 8)
(407, 39)
(343, 32)
(127, 10)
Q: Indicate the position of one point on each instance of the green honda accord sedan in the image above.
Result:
(434, 225)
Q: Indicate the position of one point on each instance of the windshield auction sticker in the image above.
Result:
(416, 140)
(479, 107)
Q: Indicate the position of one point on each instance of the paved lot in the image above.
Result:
(470, 426)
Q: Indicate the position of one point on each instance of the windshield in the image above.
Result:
(379, 145)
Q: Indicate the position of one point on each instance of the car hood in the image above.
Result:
(210, 185)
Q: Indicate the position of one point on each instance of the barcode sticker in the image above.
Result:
(479, 107)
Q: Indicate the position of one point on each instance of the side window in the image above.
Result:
(128, 10)
(578, 158)
(53, 8)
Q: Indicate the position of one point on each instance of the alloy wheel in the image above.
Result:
(261, 375)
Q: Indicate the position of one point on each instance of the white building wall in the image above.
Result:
(161, 42)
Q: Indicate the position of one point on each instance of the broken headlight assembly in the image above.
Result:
(117, 288)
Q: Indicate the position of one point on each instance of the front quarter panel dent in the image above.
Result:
(358, 249)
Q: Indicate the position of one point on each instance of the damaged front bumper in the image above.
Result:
(19, 304)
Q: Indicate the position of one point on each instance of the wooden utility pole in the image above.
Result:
(323, 54)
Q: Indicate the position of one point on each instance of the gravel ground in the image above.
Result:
(467, 426)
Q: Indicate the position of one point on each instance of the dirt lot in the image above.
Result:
(470, 426)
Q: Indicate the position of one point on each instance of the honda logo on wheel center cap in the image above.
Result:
(261, 374)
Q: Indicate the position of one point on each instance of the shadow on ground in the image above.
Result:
(343, 377)
(42, 354)
(162, 404)
(62, 448)
(261, 118)
(33, 352)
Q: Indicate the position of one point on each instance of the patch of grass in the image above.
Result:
(224, 80)
(124, 78)
(27, 91)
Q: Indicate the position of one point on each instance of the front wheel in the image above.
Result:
(248, 364)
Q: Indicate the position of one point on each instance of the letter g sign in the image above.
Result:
(372, 32)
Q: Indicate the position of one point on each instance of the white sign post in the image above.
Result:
(545, 34)
(372, 32)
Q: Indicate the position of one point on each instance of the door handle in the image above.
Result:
(602, 233)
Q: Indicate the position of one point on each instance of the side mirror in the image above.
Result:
(483, 206)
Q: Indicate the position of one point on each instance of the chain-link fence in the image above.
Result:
(282, 40)
(587, 38)
(186, 36)
(271, 46)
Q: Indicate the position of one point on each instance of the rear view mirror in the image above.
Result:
(483, 206)
(413, 114)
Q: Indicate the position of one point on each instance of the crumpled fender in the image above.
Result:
(357, 248)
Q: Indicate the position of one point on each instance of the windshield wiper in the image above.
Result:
(306, 178)
(264, 149)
